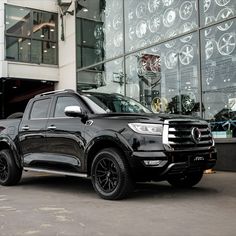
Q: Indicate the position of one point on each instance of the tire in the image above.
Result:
(10, 173)
(187, 180)
(110, 175)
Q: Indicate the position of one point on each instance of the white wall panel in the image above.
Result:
(67, 77)
(31, 71)
(46, 5)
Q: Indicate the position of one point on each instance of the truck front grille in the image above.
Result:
(187, 134)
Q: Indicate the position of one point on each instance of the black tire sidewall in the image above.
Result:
(14, 173)
(115, 157)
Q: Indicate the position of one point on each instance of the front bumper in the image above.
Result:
(158, 165)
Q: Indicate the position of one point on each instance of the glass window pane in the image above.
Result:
(164, 77)
(113, 28)
(45, 26)
(219, 78)
(49, 53)
(148, 22)
(90, 42)
(90, 56)
(62, 103)
(18, 49)
(24, 50)
(218, 10)
(100, 28)
(18, 21)
(40, 109)
(12, 48)
(106, 78)
(36, 53)
(44, 52)
(78, 57)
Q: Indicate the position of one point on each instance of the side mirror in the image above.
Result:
(74, 111)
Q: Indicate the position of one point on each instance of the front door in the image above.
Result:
(64, 136)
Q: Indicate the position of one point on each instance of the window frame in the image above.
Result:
(31, 37)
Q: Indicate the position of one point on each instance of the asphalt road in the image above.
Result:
(56, 205)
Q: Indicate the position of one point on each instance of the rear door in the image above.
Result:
(32, 131)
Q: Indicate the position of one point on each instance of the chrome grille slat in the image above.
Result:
(174, 136)
(180, 137)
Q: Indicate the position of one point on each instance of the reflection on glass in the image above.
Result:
(217, 10)
(17, 21)
(219, 79)
(168, 18)
(18, 49)
(23, 26)
(99, 31)
(44, 52)
(165, 79)
(107, 78)
(44, 26)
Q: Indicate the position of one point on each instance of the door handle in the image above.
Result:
(52, 127)
(25, 128)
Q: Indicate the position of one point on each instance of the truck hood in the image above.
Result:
(144, 117)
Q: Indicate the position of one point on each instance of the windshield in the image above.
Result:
(95, 104)
(103, 103)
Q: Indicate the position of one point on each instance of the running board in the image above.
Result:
(56, 172)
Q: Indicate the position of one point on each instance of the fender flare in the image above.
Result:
(108, 136)
(5, 139)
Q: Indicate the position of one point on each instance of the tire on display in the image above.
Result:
(187, 180)
(110, 175)
(10, 173)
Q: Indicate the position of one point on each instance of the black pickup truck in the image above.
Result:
(111, 138)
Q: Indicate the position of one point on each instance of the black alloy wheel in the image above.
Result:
(110, 174)
(3, 169)
(107, 175)
(10, 173)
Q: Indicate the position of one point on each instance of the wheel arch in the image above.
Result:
(100, 143)
(7, 143)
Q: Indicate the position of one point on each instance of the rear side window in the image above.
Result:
(40, 109)
(62, 103)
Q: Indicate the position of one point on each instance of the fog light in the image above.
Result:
(152, 163)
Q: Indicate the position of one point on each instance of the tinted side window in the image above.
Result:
(40, 109)
(62, 103)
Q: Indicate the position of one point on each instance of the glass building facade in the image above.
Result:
(173, 56)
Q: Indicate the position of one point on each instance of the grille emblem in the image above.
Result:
(196, 135)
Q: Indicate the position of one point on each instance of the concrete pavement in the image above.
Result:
(55, 205)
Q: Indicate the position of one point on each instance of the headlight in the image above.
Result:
(142, 128)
